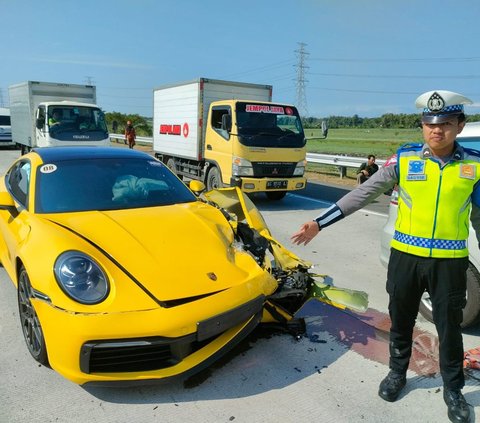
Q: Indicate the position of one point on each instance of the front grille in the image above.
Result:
(154, 353)
(273, 169)
(135, 355)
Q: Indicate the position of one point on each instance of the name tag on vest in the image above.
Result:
(416, 170)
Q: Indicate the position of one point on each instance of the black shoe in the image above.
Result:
(458, 410)
(391, 386)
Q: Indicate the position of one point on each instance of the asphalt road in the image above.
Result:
(330, 375)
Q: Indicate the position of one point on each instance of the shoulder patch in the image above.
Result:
(411, 147)
(391, 161)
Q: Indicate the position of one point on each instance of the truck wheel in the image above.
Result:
(471, 312)
(171, 165)
(276, 195)
(213, 179)
(24, 149)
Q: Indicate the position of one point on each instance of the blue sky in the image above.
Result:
(365, 57)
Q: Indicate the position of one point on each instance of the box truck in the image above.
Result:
(46, 114)
(5, 128)
(230, 134)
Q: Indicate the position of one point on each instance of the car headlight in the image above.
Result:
(81, 278)
(300, 168)
(241, 167)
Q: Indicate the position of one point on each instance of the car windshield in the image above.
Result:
(107, 184)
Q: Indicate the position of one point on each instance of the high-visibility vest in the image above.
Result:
(434, 203)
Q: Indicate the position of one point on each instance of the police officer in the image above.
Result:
(438, 187)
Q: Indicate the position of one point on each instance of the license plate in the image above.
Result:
(277, 184)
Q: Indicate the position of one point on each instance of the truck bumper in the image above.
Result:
(268, 184)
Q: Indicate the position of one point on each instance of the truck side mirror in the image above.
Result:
(40, 123)
(227, 122)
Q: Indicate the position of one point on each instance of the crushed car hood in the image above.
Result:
(178, 251)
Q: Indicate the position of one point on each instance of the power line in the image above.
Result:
(347, 75)
(397, 60)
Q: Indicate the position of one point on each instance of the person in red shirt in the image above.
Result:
(130, 134)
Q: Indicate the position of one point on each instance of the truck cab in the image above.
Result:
(64, 123)
(257, 146)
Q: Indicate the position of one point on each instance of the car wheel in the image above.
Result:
(471, 311)
(213, 179)
(32, 330)
(276, 195)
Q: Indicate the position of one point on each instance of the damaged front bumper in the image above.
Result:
(296, 283)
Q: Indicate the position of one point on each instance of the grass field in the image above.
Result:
(361, 142)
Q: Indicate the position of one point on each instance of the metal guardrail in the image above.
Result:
(121, 137)
(342, 162)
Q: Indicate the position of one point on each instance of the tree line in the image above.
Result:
(388, 120)
(144, 126)
(117, 122)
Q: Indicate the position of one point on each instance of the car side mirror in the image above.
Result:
(40, 123)
(227, 122)
(196, 186)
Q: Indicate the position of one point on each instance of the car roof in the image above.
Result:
(55, 154)
(471, 129)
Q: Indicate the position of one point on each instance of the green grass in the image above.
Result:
(361, 142)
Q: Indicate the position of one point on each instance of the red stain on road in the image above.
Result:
(368, 335)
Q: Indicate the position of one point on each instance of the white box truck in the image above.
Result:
(46, 114)
(228, 133)
(5, 128)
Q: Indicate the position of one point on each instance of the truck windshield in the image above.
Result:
(4, 120)
(74, 123)
(269, 125)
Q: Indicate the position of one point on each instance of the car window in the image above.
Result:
(107, 184)
(470, 142)
(18, 181)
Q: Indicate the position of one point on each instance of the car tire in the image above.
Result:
(31, 327)
(276, 195)
(214, 179)
(471, 312)
(171, 165)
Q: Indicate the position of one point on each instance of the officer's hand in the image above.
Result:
(307, 232)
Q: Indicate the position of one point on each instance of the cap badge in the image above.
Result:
(435, 102)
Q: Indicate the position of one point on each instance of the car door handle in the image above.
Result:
(209, 147)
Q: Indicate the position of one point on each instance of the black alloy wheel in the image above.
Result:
(32, 330)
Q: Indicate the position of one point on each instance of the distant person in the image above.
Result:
(366, 169)
(130, 134)
(324, 128)
(114, 126)
(55, 118)
(439, 182)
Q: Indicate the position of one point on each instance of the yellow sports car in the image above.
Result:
(125, 275)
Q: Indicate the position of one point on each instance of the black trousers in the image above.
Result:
(445, 280)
